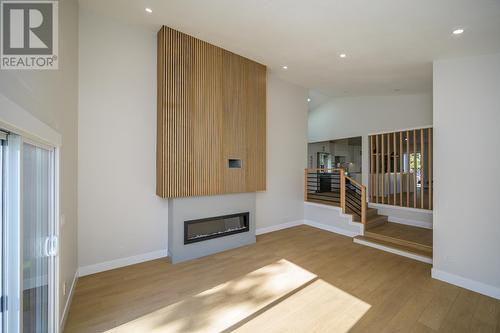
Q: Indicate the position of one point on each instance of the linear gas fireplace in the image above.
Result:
(213, 227)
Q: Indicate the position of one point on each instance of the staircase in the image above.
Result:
(333, 187)
(409, 241)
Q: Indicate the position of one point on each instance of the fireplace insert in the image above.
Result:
(213, 227)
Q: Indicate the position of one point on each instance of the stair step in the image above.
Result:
(402, 242)
(413, 237)
(395, 248)
(375, 220)
(371, 212)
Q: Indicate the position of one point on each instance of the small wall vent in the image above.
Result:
(234, 163)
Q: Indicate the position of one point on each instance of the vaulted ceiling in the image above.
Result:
(389, 44)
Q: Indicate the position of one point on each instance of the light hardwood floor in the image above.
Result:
(296, 280)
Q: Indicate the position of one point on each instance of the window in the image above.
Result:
(415, 162)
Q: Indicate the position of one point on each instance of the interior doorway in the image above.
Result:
(342, 153)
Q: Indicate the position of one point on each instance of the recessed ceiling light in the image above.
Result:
(149, 10)
(343, 55)
(308, 99)
(458, 31)
(285, 67)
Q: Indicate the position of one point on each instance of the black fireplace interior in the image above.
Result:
(213, 227)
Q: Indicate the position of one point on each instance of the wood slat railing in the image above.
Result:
(401, 168)
(333, 187)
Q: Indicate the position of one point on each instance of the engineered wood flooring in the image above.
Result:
(300, 279)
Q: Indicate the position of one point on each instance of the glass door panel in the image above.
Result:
(37, 243)
(2, 228)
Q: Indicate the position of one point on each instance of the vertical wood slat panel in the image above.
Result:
(407, 168)
(182, 144)
(395, 183)
(256, 129)
(204, 175)
(377, 179)
(371, 168)
(414, 169)
(418, 142)
(383, 167)
(233, 114)
(190, 120)
(389, 168)
(186, 106)
(422, 171)
(401, 168)
(160, 115)
(172, 88)
(429, 159)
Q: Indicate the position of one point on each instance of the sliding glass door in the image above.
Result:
(37, 237)
(29, 239)
(2, 261)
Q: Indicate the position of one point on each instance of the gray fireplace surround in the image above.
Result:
(181, 210)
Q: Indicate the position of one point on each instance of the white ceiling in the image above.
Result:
(390, 44)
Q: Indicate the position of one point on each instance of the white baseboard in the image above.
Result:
(277, 227)
(117, 263)
(393, 250)
(282, 226)
(330, 228)
(466, 283)
(68, 302)
(415, 223)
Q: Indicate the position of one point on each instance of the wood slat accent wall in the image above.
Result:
(211, 108)
(393, 180)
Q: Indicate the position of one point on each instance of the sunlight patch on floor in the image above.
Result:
(227, 304)
(319, 307)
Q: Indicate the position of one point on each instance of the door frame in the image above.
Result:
(21, 123)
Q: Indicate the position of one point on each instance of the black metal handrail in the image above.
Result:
(355, 199)
(323, 186)
(333, 187)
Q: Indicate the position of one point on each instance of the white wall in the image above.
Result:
(331, 218)
(283, 201)
(466, 197)
(349, 117)
(355, 116)
(52, 97)
(119, 214)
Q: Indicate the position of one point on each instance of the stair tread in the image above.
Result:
(376, 217)
(406, 233)
(396, 246)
